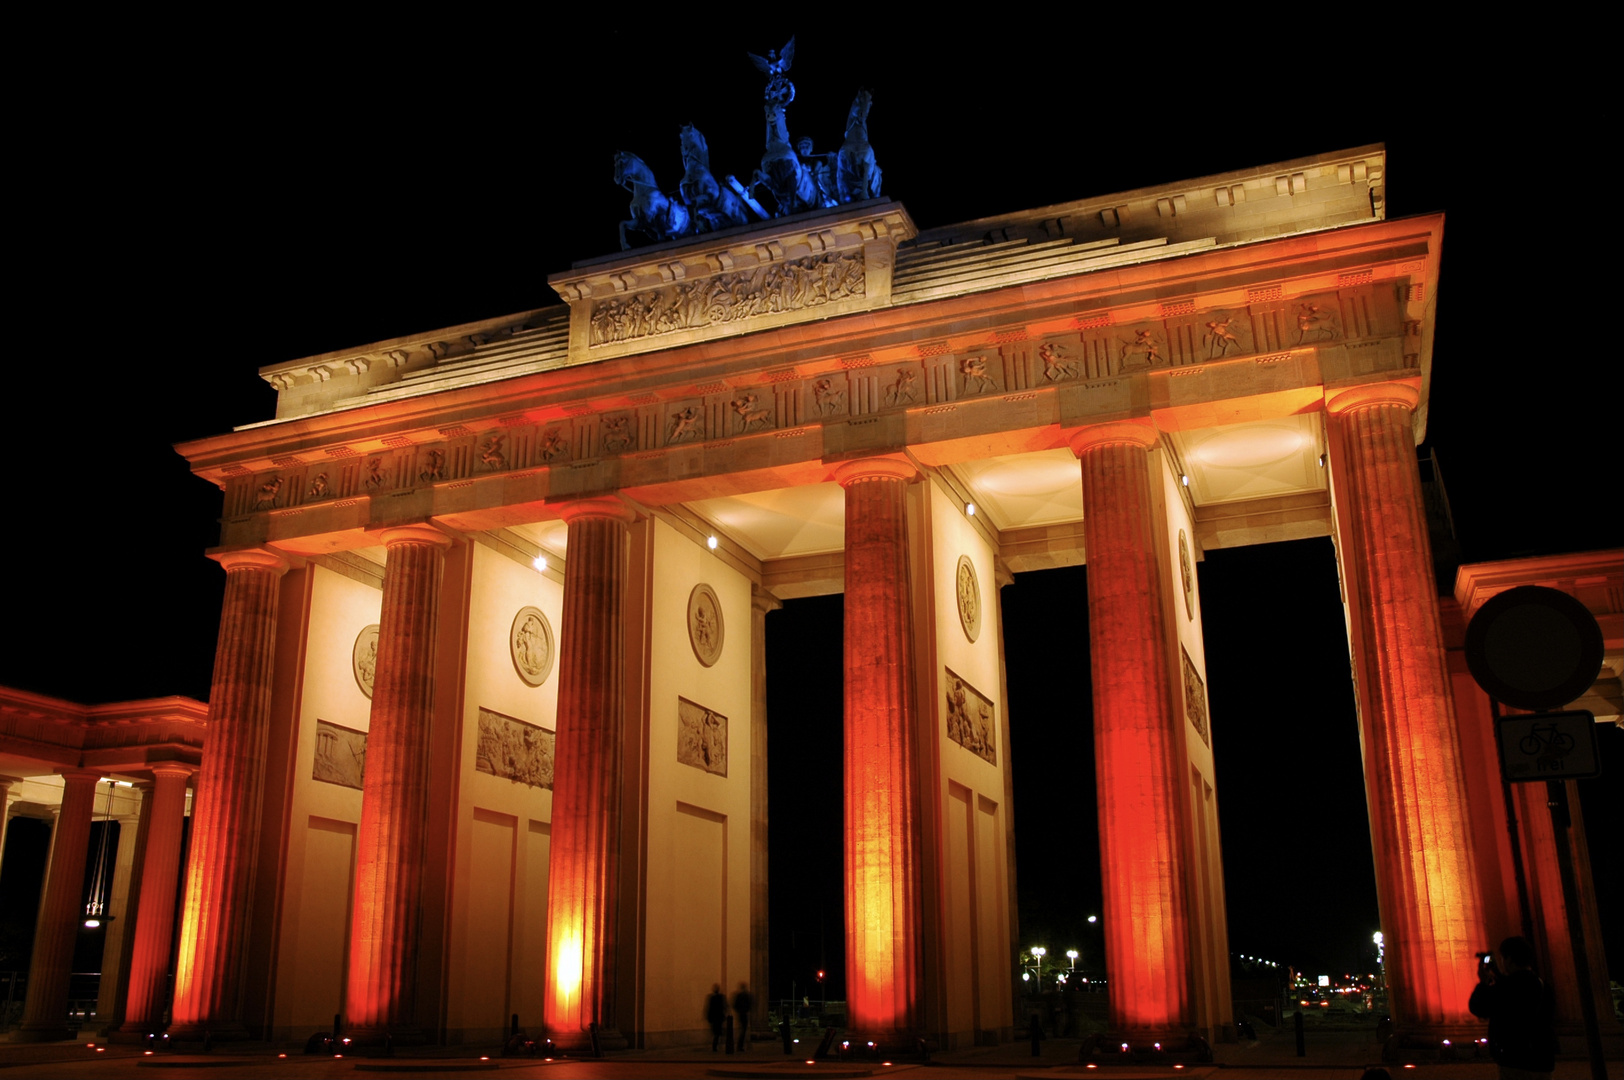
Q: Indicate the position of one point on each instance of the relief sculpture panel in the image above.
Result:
(701, 737)
(1195, 697)
(515, 750)
(341, 755)
(766, 290)
(971, 719)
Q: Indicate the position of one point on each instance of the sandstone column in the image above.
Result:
(1136, 728)
(45, 1016)
(225, 814)
(5, 814)
(583, 873)
(385, 929)
(1431, 913)
(761, 602)
(155, 911)
(117, 924)
(884, 869)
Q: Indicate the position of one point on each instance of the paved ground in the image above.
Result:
(1331, 1056)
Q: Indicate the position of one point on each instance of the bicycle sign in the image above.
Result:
(1549, 746)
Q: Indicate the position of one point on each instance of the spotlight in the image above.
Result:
(1322, 461)
(710, 541)
(539, 562)
(1184, 478)
(969, 509)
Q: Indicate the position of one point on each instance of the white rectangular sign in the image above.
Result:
(1549, 746)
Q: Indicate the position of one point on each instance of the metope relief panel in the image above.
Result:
(701, 737)
(1195, 697)
(971, 718)
(341, 755)
(514, 750)
(773, 289)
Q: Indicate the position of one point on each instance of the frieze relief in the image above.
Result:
(701, 737)
(971, 718)
(364, 658)
(794, 285)
(1195, 697)
(514, 750)
(341, 755)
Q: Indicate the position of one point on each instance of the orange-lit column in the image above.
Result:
(1431, 913)
(225, 811)
(45, 1016)
(155, 914)
(394, 798)
(761, 602)
(583, 872)
(1146, 916)
(884, 917)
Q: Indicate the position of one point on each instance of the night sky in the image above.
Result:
(229, 207)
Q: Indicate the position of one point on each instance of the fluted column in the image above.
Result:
(1431, 912)
(583, 873)
(45, 1016)
(225, 815)
(5, 814)
(761, 602)
(155, 911)
(884, 872)
(1146, 915)
(384, 931)
(119, 920)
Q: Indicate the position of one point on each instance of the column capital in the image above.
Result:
(763, 601)
(254, 558)
(420, 533)
(601, 506)
(848, 473)
(93, 775)
(170, 768)
(1138, 432)
(1407, 394)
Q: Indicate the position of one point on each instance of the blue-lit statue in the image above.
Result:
(713, 206)
(858, 177)
(654, 214)
(790, 181)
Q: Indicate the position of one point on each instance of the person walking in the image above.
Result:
(742, 1004)
(1520, 1012)
(715, 1013)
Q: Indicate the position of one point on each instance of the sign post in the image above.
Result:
(1539, 649)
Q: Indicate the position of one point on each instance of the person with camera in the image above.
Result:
(1520, 1012)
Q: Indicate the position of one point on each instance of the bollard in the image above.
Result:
(784, 1032)
(1302, 1049)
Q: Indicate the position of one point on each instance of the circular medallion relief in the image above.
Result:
(530, 643)
(969, 591)
(705, 630)
(1186, 575)
(365, 658)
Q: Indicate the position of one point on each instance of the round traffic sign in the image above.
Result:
(1534, 648)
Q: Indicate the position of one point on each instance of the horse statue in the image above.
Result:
(714, 206)
(652, 213)
(857, 176)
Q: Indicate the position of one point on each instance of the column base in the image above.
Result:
(1146, 1048)
(881, 1044)
(577, 1043)
(372, 1040)
(134, 1035)
(42, 1033)
(1430, 1045)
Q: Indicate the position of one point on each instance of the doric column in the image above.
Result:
(155, 909)
(225, 818)
(761, 602)
(394, 798)
(116, 925)
(583, 873)
(1142, 854)
(6, 800)
(1431, 913)
(45, 1016)
(884, 872)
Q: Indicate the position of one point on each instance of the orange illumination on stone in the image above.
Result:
(1146, 917)
(584, 863)
(225, 809)
(884, 962)
(155, 914)
(1431, 912)
(384, 934)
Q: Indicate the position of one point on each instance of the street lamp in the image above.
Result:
(1038, 953)
(1071, 955)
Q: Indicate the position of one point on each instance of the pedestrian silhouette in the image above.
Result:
(1519, 1009)
(715, 1013)
(742, 1004)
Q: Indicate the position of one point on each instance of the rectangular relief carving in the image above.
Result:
(1195, 697)
(971, 718)
(701, 737)
(341, 755)
(515, 750)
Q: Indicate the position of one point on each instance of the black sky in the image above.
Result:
(277, 190)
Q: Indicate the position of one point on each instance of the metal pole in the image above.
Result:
(1525, 909)
(1556, 793)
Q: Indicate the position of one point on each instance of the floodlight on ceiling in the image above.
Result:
(710, 541)
(539, 562)
(969, 509)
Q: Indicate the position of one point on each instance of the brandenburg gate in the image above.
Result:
(488, 724)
